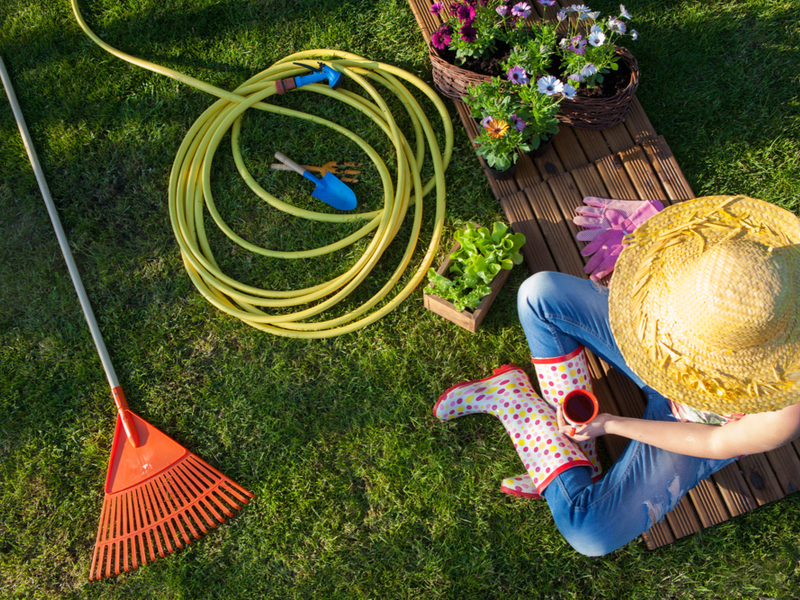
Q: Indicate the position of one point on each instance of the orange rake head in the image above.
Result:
(154, 494)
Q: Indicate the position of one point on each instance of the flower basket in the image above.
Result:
(469, 320)
(602, 113)
(450, 80)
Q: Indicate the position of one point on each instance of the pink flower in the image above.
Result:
(577, 45)
(442, 37)
(465, 13)
(437, 7)
(502, 10)
(468, 33)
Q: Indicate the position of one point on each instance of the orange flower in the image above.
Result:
(497, 128)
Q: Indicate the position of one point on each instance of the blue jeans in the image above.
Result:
(558, 313)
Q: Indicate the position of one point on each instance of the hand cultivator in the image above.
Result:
(337, 167)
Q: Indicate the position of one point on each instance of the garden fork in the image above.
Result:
(337, 167)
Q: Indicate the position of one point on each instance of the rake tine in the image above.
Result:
(147, 526)
(202, 500)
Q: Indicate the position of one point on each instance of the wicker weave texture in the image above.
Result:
(452, 81)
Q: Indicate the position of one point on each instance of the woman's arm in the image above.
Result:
(751, 434)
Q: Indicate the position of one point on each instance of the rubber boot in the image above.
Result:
(559, 376)
(530, 421)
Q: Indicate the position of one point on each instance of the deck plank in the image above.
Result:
(786, 464)
(522, 219)
(569, 149)
(637, 123)
(760, 478)
(667, 170)
(642, 175)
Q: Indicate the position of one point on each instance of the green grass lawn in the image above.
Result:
(360, 492)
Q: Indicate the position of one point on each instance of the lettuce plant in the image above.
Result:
(482, 255)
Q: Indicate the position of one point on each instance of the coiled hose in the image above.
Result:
(190, 190)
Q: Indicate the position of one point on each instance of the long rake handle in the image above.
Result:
(116, 390)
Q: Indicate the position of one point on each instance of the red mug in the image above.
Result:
(579, 407)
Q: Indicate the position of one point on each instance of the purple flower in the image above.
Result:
(468, 33)
(561, 15)
(485, 122)
(465, 13)
(518, 75)
(547, 2)
(569, 92)
(437, 7)
(575, 77)
(442, 37)
(454, 9)
(519, 124)
(521, 10)
(483, 2)
(502, 10)
(577, 45)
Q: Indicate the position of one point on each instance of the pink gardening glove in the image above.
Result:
(606, 246)
(594, 216)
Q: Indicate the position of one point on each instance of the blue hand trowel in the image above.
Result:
(329, 189)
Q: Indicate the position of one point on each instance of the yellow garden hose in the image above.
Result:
(190, 191)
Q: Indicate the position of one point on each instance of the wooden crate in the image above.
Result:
(469, 320)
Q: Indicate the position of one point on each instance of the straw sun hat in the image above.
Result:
(705, 304)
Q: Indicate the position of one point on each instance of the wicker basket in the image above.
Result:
(602, 113)
(450, 80)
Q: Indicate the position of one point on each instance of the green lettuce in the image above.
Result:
(480, 258)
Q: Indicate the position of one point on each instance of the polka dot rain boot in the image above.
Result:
(559, 376)
(530, 422)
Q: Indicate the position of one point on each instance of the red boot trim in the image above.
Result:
(513, 492)
(495, 373)
(557, 359)
(576, 463)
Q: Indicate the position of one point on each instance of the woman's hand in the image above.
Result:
(581, 433)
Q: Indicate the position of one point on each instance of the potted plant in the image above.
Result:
(475, 37)
(514, 117)
(606, 76)
(466, 284)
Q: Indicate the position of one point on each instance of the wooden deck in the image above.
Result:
(628, 161)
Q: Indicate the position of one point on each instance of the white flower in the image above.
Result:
(616, 25)
(623, 12)
(550, 85)
(569, 91)
(589, 15)
(597, 37)
(561, 15)
(589, 70)
(634, 34)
